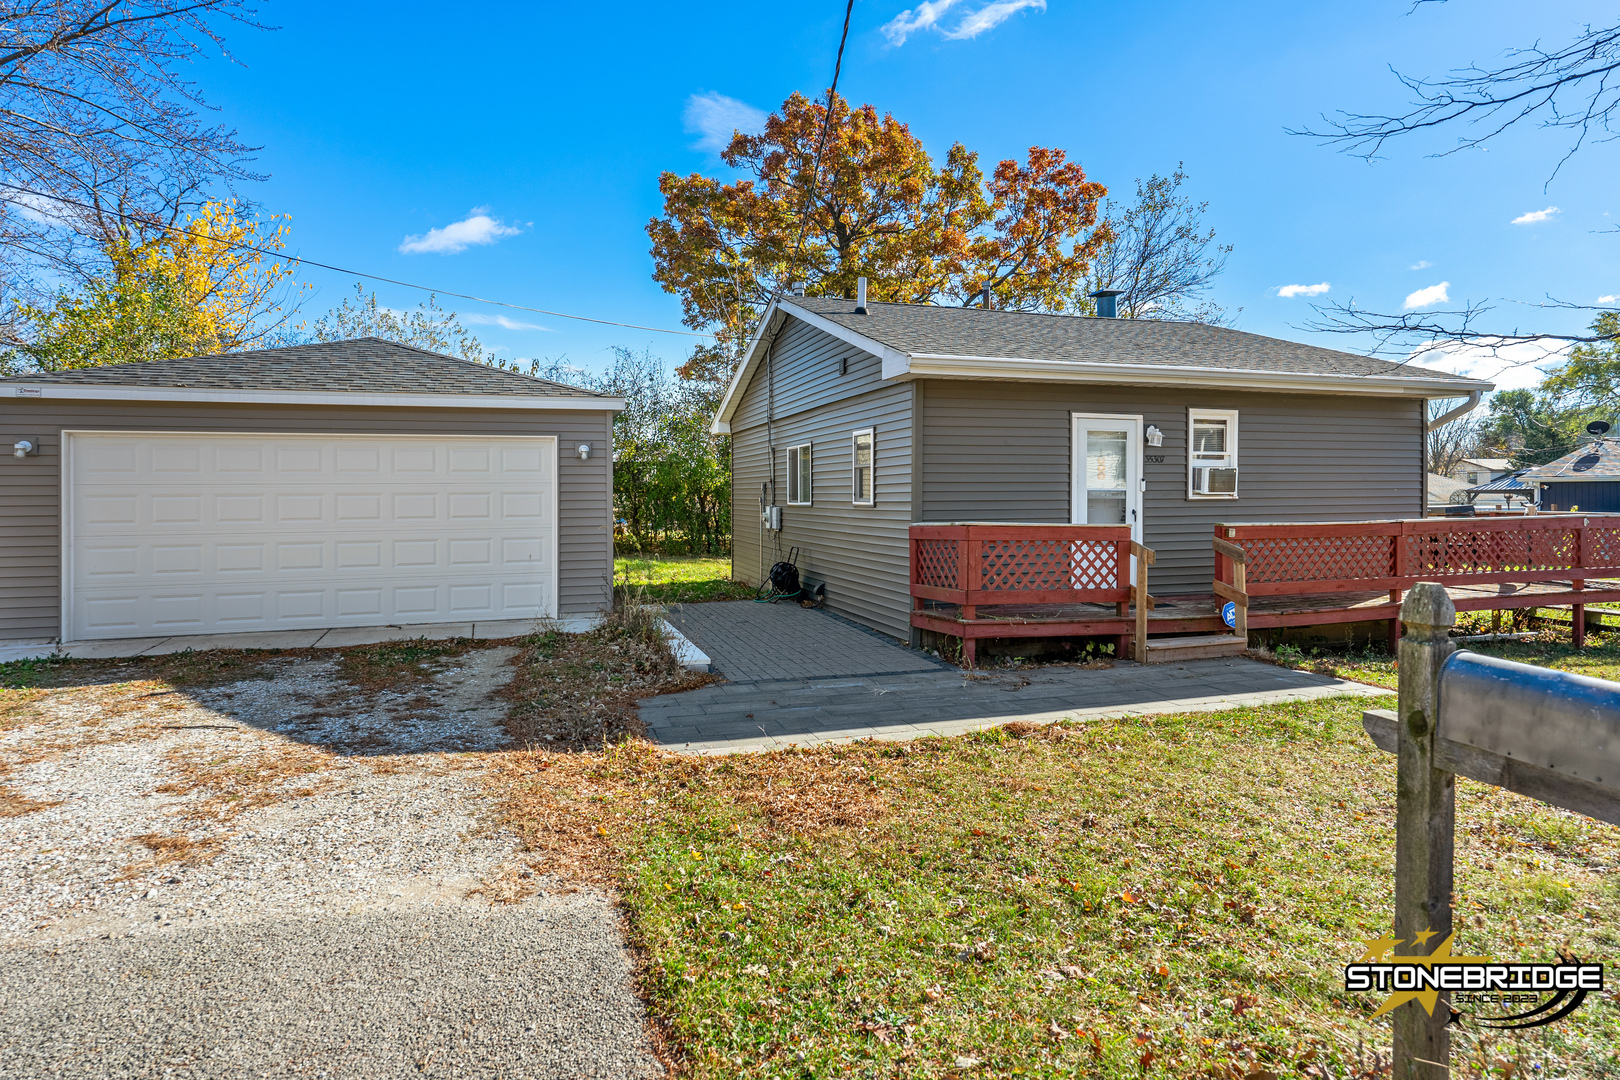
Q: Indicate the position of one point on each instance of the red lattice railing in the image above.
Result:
(1285, 559)
(1029, 564)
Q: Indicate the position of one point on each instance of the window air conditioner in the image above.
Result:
(1215, 481)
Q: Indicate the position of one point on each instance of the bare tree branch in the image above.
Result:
(1575, 88)
(93, 110)
(1409, 335)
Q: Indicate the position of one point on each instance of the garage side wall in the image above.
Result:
(859, 552)
(30, 488)
(1001, 452)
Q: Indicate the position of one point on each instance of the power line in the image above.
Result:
(821, 146)
(342, 270)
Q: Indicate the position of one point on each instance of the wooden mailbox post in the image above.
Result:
(1545, 734)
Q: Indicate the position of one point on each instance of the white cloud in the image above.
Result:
(1303, 290)
(991, 16)
(717, 118)
(503, 322)
(1421, 264)
(477, 228)
(1608, 299)
(1434, 294)
(930, 15)
(1535, 216)
(1519, 365)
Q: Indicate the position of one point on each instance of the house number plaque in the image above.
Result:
(1154, 459)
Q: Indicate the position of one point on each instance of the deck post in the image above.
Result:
(1425, 815)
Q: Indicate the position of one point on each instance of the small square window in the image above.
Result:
(1212, 466)
(863, 473)
(799, 475)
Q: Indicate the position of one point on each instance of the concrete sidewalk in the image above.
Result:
(803, 678)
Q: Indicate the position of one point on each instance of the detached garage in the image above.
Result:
(346, 484)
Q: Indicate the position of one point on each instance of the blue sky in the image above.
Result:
(531, 138)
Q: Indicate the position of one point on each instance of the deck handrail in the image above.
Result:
(1322, 557)
(996, 563)
(973, 564)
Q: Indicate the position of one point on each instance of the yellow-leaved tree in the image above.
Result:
(218, 283)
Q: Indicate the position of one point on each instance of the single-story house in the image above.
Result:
(1476, 471)
(1587, 479)
(351, 483)
(855, 421)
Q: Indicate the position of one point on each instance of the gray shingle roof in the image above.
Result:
(922, 329)
(1599, 461)
(364, 365)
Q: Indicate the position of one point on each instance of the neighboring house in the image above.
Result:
(1588, 479)
(1476, 471)
(858, 424)
(1444, 491)
(355, 483)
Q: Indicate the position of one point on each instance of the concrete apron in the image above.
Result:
(692, 658)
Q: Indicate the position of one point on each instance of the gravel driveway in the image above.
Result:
(283, 876)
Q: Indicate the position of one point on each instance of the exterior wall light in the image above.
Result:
(1154, 436)
(584, 450)
(24, 447)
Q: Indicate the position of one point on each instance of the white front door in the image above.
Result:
(1108, 472)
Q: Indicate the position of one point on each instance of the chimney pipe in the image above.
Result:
(1105, 302)
(860, 296)
(984, 297)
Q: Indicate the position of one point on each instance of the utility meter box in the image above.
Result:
(772, 516)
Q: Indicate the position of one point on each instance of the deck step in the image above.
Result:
(1167, 650)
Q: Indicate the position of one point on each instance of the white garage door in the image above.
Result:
(195, 533)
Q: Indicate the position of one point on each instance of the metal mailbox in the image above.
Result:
(1569, 724)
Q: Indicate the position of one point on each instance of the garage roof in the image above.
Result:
(365, 370)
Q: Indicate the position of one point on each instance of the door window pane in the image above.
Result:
(1105, 475)
(1105, 460)
(1105, 508)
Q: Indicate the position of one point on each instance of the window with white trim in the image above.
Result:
(862, 474)
(799, 475)
(1212, 457)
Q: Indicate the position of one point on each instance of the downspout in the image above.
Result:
(1439, 422)
(1466, 407)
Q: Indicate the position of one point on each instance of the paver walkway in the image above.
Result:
(799, 678)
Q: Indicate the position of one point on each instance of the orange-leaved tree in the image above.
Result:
(879, 208)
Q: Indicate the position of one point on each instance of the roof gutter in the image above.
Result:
(1466, 407)
(85, 392)
(977, 367)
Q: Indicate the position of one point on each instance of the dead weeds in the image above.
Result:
(231, 782)
(579, 691)
(14, 803)
(399, 665)
(169, 849)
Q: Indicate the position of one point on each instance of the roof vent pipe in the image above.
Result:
(984, 298)
(860, 296)
(1105, 302)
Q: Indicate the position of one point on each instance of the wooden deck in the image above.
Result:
(976, 581)
(1187, 613)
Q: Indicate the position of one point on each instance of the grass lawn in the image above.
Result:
(680, 579)
(1600, 659)
(1165, 897)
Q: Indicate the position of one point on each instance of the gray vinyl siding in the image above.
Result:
(1001, 452)
(860, 553)
(804, 368)
(30, 504)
